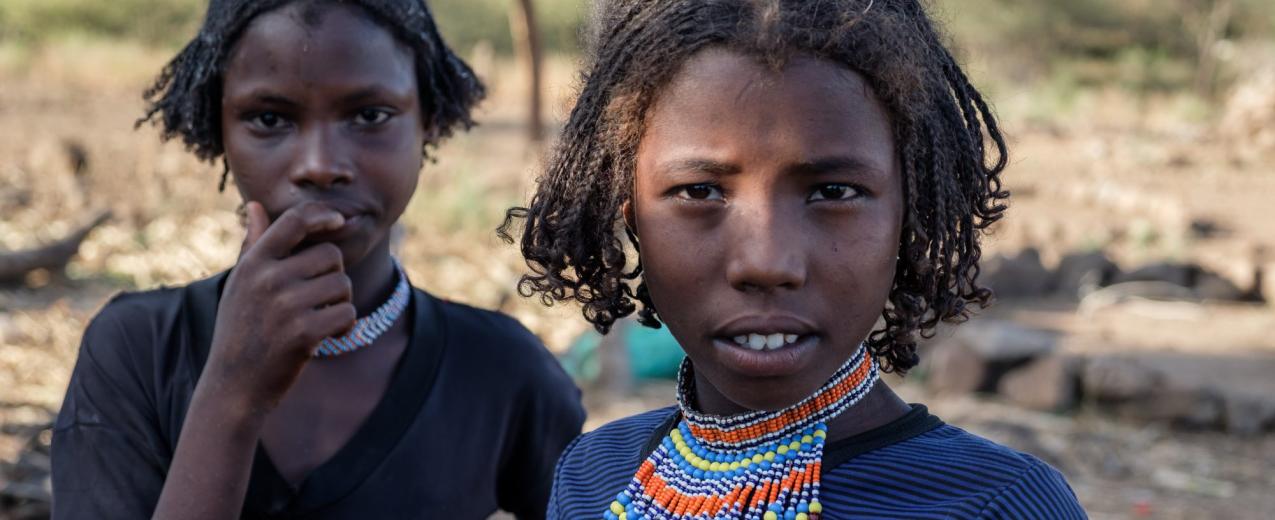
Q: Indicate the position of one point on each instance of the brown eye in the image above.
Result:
(834, 192)
(371, 116)
(268, 121)
(701, 192)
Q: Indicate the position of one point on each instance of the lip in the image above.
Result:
(764, 324)
(356, 216)
(781, 362)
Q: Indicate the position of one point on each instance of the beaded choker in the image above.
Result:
(370, 327)
(754, 466)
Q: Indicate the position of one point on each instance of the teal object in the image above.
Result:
(651, 353)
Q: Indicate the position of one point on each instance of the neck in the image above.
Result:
(879, 407)
(372, 279)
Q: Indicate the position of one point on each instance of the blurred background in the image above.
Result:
(1131, 345)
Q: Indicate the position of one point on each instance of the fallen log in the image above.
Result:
(14, 265)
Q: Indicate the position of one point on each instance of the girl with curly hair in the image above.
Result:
(797, 189)
(311, 380)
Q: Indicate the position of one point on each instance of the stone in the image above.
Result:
(1214, 287)
(1112, 378)
(1169, 272)
(1000, 340)
(1048, 384)
(1081, 273)
(1197, 408)
(951, 367)
(1248, 415)
(1021, 276)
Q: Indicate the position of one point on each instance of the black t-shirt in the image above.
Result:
(474, 418)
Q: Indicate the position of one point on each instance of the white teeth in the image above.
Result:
(756, 341)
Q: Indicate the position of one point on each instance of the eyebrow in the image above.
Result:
(822, 165)
(840, 163)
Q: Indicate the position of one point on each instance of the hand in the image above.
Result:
(277, 306)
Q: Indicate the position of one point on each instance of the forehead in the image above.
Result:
(318, 44)
(722, 97)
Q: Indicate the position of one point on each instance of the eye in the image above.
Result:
(700, 192)
(834, 192)
(371, 116)
(268, 121)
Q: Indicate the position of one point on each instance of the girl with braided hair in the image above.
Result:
(797, 189)
(311, 380)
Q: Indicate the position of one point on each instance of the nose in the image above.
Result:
(321, 162)
(766, 251)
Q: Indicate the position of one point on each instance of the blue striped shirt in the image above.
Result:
(916, 467)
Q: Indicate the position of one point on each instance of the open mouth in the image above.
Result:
(766, 341)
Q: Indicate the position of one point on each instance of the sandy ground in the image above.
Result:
(1124, 181)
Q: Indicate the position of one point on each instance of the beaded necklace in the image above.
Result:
(752, 466)
(370, 327)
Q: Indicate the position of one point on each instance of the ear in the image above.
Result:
(630, 219)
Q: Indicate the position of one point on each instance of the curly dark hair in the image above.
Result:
(185, 99)
(574, 240)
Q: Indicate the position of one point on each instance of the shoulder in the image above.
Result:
(141, 324)
(951, 467)
(598, 464)
(496, 339)
(618, 444)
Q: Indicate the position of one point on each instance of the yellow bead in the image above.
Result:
(715, 466)
(782, 450)
(758, 458)
(794, 446)
(821, 434)
(746, 463)
(803, 516)
(807, 439)
(617, 508)
(816, 507)
(770, 455)
(701, 464)
(624, 516)
(734, 466)
(770, 515)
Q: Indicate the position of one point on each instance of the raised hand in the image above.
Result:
(277, 305)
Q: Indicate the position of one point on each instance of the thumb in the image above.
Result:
(258, 221)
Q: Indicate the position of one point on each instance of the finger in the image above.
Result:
(331, 321)
(315, 261)
(294, 225)
(258, 222)
(327, 290)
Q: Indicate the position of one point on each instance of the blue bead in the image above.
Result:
(623, 498)
(790, 515)
(805, 446)
(774, 506)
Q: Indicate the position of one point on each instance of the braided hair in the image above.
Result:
(951, 151)
(185, 99)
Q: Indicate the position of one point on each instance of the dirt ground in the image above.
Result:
(1120, 179)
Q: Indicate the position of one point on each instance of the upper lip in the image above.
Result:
(765, 324)
(348, 208)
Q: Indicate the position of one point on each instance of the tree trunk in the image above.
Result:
(526, 37)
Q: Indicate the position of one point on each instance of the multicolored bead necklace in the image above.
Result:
(754, 466)
(370, 327)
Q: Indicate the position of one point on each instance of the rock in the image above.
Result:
(1177, 274)
(1080, 273)
(1248, 415)
(1118, 379)
(1048, 384)
(998, 340)
(1021, 276)
(1196, 408)
(951, 367)
(1212, 286)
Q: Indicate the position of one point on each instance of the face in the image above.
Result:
(768, 206)
(321, 103)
